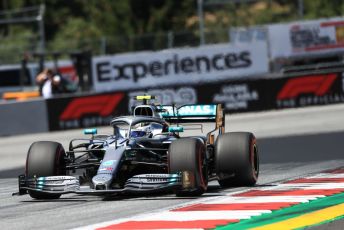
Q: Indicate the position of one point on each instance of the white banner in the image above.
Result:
(245, 35)
(166, 96)
(179, 66)
(306, 38)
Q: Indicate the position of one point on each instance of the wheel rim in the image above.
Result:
(203, 171)
(255, 161)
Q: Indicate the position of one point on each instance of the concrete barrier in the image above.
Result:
(23, 117)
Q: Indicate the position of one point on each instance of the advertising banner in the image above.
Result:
(308, 90)
(306, 38)
(238, 96)
(179, 66)
(275, 93)
(235, 96)
(166, 96)
(245, 35)
(85, 111)
(256, 94)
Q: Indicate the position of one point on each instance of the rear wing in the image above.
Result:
(194, 113)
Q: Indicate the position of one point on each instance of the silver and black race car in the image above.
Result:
(145, 154)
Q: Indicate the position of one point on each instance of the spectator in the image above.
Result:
(43, 81)
(59, 85)
(50, 83)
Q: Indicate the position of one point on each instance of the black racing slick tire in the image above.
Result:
(188, 154)
(237, 159)
(45, 158)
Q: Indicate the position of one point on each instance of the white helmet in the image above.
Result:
(141, 131)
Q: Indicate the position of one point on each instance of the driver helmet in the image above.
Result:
(142, 131)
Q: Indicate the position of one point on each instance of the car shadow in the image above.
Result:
(212, 191)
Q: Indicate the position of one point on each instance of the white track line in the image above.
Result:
(202, 215)
(263, 199)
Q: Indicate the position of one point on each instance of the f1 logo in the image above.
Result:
(317, 84)
(102, 105)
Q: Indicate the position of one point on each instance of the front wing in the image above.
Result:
(138, 184)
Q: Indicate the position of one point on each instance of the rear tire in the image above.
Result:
(188, 154)
(45, 158)
(237, 159)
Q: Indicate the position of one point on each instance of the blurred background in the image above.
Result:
(110, 27)
(249, 55)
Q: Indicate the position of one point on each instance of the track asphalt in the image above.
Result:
(292, 144)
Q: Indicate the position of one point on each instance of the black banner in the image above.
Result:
(308, 90)
(275, 93)
(236, 96)
(255, 95)
(85, 111)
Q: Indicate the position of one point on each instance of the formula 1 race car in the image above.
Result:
(145, 154)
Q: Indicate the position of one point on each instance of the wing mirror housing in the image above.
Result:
(176, 129)
(90, 131)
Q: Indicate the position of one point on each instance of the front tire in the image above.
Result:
(237, 159)
(188, 154)
(45, 158)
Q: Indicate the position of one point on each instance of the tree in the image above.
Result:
(81, 24)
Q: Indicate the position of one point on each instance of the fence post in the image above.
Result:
(170, 39)
(201, 21)
(103, 45)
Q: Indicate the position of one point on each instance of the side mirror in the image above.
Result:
(174, 129)
(90, 131)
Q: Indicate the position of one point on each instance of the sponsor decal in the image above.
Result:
(57, 181)
(51, 182)
(89, 111)
(198, 110)
(310, 90)
(306, 38)
(102, 105)
(69, 72)
(101, 178)
(309, 36)
(108, 163)
(318, 85)
(157, 180)
(179, 66)
(167, 96)
(154, 178)
(142, 180)
(156, 175)
(106, 169)
(56, 178)
(236, 96)
(245, 35)
(134, 71)
(190, 110)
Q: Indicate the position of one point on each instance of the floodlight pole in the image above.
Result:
(201, 22)
(40, 19)
(28, 19)
(300, 8)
